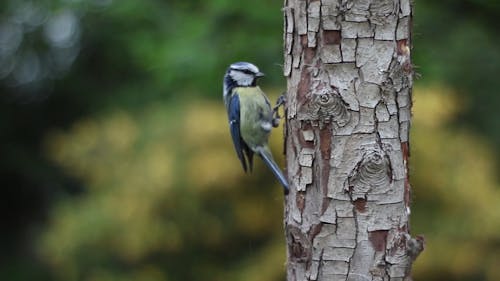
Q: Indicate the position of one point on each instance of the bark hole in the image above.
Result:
(331, 37)
(378, 239)
(360, 205)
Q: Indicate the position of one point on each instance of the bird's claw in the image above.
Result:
(279, 102)
(276, 122)
(276, 115)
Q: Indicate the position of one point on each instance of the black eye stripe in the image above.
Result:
(246, 71)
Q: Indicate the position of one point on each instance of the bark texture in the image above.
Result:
(349, 74)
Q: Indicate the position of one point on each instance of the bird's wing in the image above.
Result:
(233, 111)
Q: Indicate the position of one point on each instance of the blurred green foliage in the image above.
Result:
(117, 163)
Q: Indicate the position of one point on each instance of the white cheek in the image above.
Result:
(242, 78)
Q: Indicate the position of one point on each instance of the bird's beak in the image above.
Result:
(259, 74)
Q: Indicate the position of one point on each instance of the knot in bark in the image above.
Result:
(373, 171)
(329, 106)
(323, 103)
(324, 99)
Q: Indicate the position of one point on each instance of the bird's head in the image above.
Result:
(243, 74)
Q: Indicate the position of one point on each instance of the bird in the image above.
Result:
(250, 117)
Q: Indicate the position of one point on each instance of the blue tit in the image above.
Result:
(250, 117)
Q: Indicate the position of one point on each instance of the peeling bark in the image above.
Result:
(349, 74)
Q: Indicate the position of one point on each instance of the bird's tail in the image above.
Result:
(266, 155)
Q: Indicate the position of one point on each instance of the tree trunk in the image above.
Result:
(349, 75)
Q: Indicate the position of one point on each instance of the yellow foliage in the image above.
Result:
(455, 169)
(438, 105)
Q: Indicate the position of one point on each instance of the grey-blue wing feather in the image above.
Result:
(233, 111)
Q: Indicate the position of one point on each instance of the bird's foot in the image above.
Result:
(276, 115)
